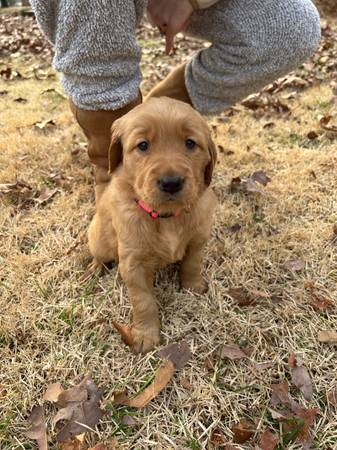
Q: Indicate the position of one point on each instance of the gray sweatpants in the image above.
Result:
(253, 42)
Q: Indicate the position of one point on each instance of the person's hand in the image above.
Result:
(170, 16)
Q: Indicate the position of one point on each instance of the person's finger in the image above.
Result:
(169, 37)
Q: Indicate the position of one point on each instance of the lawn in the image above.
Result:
(271, 263)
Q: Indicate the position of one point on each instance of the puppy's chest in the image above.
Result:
(170, 244)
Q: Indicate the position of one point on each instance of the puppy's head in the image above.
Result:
(167, 152)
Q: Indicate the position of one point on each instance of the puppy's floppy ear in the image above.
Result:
(116, 148)
(210, 166)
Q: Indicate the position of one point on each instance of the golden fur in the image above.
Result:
(122, 231)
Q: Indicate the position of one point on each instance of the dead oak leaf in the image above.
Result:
(179, 354)
(52, 393)
(232, 352)
(245, 185)
(327, 337)
(100, 447)
(129, 421)
(45, 124)
(281, 395)
(318, 302)
(306, 418)
(243, 431)
(241, 296)
(300, 376)
(176, 356)
(38, 427)
(261, 177)
(45, 196)
(162, 377)
(79, 408)
(217, 438)
(268, 440)
(81, 418)
(18, 187)
(72, 444)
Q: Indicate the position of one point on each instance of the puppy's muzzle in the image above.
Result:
(171, 184)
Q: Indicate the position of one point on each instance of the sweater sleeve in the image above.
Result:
(202, 4)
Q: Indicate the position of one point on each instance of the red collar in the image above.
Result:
(154, 214)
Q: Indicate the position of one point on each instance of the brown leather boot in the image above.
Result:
(172, 86)
(96, 125)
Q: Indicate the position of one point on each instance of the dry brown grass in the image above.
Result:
(55, 327)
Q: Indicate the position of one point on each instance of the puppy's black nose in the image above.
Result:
(171, 184)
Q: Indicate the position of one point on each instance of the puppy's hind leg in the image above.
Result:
(102, 244)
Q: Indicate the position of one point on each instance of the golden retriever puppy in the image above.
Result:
(158, 206)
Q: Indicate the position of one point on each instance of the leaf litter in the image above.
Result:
(176, 356)
(300, 376)
(38, 428)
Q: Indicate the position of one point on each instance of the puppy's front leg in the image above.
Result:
(139, 281)
(191, 266)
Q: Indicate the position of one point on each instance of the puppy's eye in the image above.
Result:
(143, 146)
(190, 144)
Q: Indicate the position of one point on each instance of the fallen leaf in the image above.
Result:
(80, 410)
(318, 302)
(120, 397)
(217, 438)
(232, 352)
(324, 123)
(38, 427)
(245, 185)
(312, 135)
(308, 417)
(268, 440)
(296, 425)
(52, 393)
(280, 395)
(300, 376)
(45, 124)
(295, 265)
(278, 415)
(241, 296)
(176, 356)
(186, 384)
(129, 421)
(327, 336)
(162, 377)
(261, 177)
(209, 363)
(262, 365)
(56, 91)
(332, 397)
(72, 444)
(18, 187)
(179, 354)
(20, 100)
(101, 447)
(243, 431)
(45, 196)
(125, 332)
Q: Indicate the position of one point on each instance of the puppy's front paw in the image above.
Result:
(197, 285)
(144, 339)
